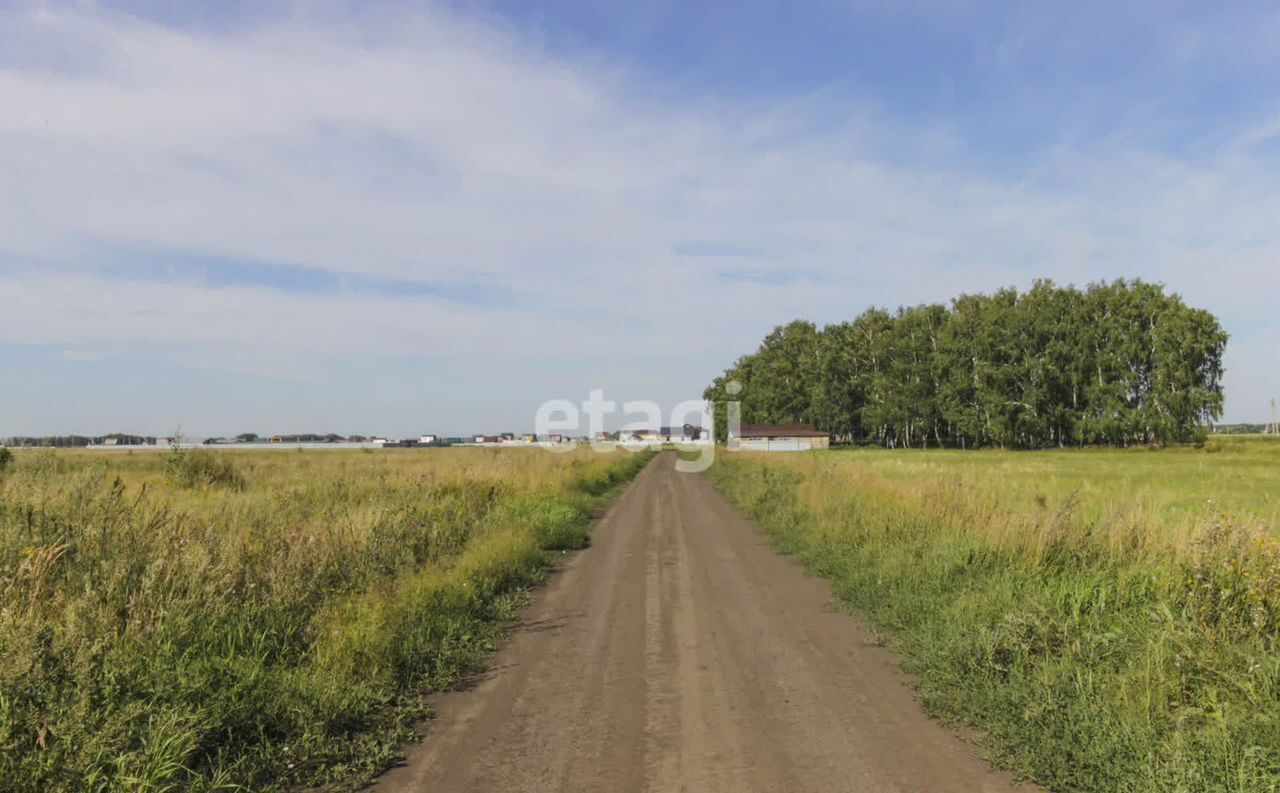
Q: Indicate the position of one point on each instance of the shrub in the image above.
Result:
(6, 457)
(203, 468)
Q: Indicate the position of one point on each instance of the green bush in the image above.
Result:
(6, 458)
(203, 468)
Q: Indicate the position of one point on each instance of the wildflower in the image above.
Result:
(30, 549)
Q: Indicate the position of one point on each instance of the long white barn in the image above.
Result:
(778, 438)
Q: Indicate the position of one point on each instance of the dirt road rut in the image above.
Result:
(680, 653)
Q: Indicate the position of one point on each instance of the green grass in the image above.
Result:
(1103, 630)
(1177, 487)
(259, 621)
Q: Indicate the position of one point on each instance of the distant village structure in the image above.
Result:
(751, 437)
(657, 436)
(778, 438)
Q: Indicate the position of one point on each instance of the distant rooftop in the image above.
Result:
(780, 431)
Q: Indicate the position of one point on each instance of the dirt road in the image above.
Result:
(681, 653)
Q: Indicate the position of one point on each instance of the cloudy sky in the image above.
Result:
(394, 217)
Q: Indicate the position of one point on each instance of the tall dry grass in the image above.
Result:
(1098, 646)
(258, 620)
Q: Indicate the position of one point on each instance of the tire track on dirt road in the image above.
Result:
(681, 653)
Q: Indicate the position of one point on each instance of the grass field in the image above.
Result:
(1172, 493)
(1108, 619)
(259, 620)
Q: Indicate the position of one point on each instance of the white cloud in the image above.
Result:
(432, 147)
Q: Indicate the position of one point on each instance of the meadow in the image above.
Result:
(260, 620)
(1108, 620)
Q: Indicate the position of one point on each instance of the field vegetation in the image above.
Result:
(1109, 619)
(259, 620)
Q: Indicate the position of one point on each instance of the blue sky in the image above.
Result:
(395, 218)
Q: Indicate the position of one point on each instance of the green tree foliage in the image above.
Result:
(1118, 363)
(784, 374)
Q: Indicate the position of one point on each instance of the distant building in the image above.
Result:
(376, 441)
(778, 438)
(688, 433)
(640, 436)
(426, 440)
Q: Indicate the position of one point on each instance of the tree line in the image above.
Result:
(73, 441)
(1118, 363)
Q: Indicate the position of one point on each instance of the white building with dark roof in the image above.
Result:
(778, 438)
